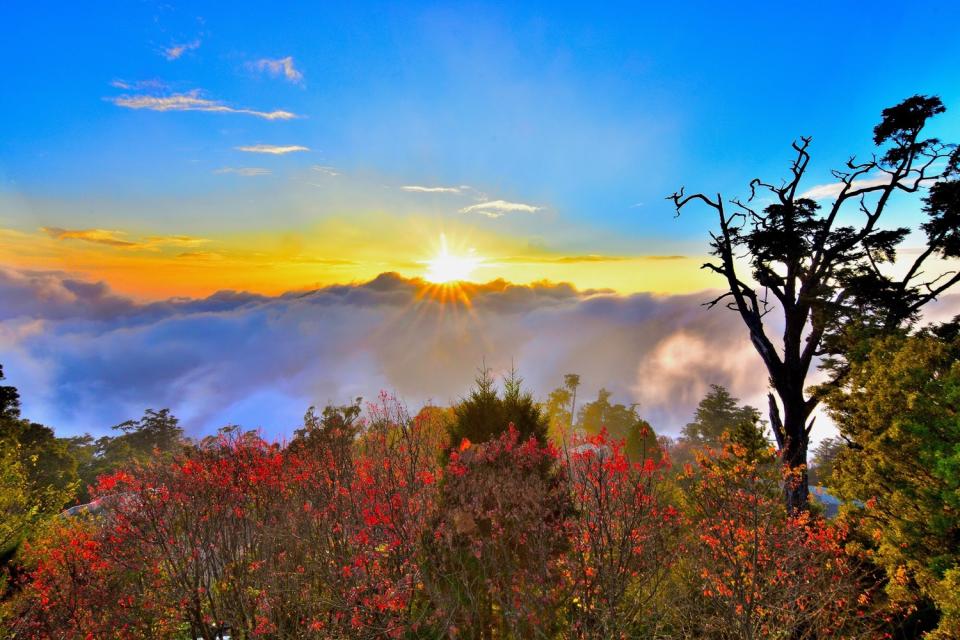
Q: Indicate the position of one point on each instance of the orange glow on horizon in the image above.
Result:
(274, 263)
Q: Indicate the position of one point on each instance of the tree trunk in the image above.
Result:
(794, 453)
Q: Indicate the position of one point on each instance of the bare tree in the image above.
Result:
(822, 276)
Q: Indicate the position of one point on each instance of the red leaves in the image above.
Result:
(375, 539)
(757, 567)
(109, 483)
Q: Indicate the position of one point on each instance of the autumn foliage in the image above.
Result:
(752, 571)
(374, 529)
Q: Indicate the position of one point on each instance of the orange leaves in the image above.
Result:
(758, 566)
(372, 538)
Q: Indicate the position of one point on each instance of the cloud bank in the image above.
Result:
(86, 358)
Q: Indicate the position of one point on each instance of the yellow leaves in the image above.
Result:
(901, 576)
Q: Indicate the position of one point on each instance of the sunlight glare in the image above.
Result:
(446, 267)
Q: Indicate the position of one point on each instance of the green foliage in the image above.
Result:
(44, 458)
(9, 401)
(557, 410)
(621, 422)
(18, 510)
(719, 413)
(336, 426)
(823, 459)
(720, 419)
(37, 475)
(156, 434)
(821, 271)
(485, 414)
(899, 410)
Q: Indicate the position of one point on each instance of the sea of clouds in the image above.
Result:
(86, 358)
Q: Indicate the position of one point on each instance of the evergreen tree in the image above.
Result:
(898, 410)
(822, 272)
(719, 419)
(622, 422)
(719, 413)
(155, 434)
(557, 410)
(823, 459)
(37, 475)
(336, 426)
(485, 414)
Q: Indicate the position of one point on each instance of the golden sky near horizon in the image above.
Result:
(151, 265)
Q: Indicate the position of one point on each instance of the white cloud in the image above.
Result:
(685, 363)
(117, 356)
(327, 171)
(413, 188)
(272, 149)
(191, 101)
(175, 51)
(244, 171)
(278, 67)
(497, 208)
(832, 190)
(138, 85)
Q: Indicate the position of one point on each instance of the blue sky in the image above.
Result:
(540, 139)
(587, 110)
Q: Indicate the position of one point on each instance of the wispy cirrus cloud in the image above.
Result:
(325, 170)
(177, 241)
(174, 51)
(114, 238)
(192, 101)
(96, 236)
(247, 172)
(832, 190)
(498, 208)
(279, 67)
(414, 188)
(277, 150)
(139, 85)
(199, 255)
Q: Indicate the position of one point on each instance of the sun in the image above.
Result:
(446, 267)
